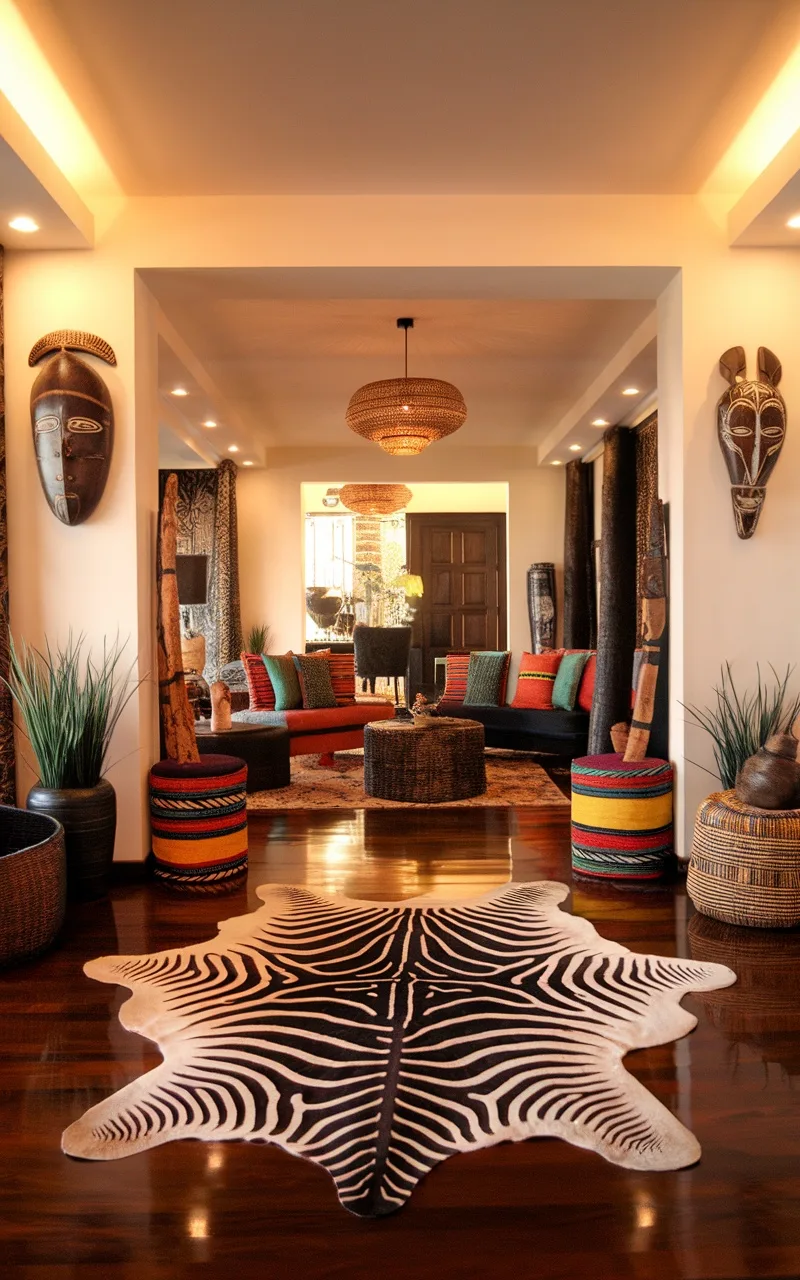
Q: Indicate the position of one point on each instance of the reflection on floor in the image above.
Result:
(539, 1208)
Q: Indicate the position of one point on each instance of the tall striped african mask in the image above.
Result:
(73, 423)
(751, 425)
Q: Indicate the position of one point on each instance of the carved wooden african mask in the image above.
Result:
(73, 424)
(751, 424)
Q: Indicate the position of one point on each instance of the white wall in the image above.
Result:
(271, 512)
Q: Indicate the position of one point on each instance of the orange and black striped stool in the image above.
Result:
(198, 819)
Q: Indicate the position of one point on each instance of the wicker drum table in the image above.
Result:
(431, 762)
(745, 863)
(263, 747)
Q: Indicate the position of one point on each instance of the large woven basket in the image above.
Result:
(33, 882)
(745, 863)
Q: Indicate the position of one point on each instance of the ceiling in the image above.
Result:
(286, 366)
(461, 96)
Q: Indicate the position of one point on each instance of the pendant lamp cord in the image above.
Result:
(406, 337)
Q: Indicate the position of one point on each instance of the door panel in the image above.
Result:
(462, 562)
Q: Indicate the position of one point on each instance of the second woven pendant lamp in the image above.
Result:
(405, 415)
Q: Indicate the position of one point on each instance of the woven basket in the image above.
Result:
(33, 882)
(745, 863)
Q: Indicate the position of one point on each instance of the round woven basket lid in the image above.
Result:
(614, 763)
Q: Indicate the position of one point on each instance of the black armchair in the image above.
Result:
(381, 651)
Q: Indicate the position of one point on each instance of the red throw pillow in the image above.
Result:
(262, 694)
(586, 687)
(455, 680)
(537, 675)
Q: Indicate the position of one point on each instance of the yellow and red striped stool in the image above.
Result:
(621, 817)
(198, 819)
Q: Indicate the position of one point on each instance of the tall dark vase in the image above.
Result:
(89, 818)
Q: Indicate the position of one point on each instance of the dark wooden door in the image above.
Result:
(462, 562)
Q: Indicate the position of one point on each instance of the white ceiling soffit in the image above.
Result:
(31, 185)
(194, 97)
(635, 365)
(759, 218)
(287, 348)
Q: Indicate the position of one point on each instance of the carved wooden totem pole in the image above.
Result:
(751, 424)
(73, 423)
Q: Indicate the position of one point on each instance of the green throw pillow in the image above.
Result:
(485, 678)
(283, 675)
(315, 681)
(565, 689)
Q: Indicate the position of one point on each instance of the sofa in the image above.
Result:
(317, 731)
(555, 732)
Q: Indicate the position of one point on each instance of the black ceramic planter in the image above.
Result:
(89, 818)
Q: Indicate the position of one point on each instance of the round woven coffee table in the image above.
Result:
(440, 759)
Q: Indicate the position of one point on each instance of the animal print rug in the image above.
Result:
(377, 1039)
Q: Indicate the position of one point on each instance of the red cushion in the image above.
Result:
(537, 675)
(299, 722)
(262, 694)
(455, 681)
(586, 686)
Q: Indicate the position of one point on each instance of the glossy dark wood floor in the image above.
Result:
(538, 1209)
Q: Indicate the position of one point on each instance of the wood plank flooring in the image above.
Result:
(539, 1209)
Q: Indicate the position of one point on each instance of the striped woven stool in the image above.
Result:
(198, 818)
(621, 817)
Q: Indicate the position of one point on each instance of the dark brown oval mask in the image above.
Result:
(73, 424)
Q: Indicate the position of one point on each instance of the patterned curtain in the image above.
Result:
(616, 639)
(7, 775)
(646, 494)
(580, 587)
(207, 526)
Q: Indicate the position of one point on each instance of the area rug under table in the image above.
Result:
(511, 779)
(377, 1039)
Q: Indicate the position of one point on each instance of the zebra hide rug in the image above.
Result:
(377, 1039)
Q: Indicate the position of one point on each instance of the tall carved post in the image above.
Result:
(177, 721)
(7, 776)
(616, 639)
(580, 594)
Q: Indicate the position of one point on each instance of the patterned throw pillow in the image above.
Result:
(455, 680)
(485, 678)
(315, 681)
(570, 672)
(537, 675)
(262, 694)
(283, 674)
(586, 688)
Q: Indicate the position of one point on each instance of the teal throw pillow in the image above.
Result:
(568, 679)
(283, 675)
(485, 678)
(315, 681)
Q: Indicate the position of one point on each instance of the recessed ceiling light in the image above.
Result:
(247, 463)
(575, 448)
(233, 448)
(179, 391)
(794, 221)
(630, 391)
(209, 423)
(599, 422)
(23, 223)
(556, 462)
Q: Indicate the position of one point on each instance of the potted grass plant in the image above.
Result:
(739, 724)
(70, 706)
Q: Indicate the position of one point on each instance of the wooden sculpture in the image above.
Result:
(73, 423)
(220, 706)
(751, 425)
(177, 721)
(633, 743)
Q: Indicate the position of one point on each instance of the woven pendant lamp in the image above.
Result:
(375, 499)
(405, 415)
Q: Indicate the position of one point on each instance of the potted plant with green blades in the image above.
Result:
(70, 706)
